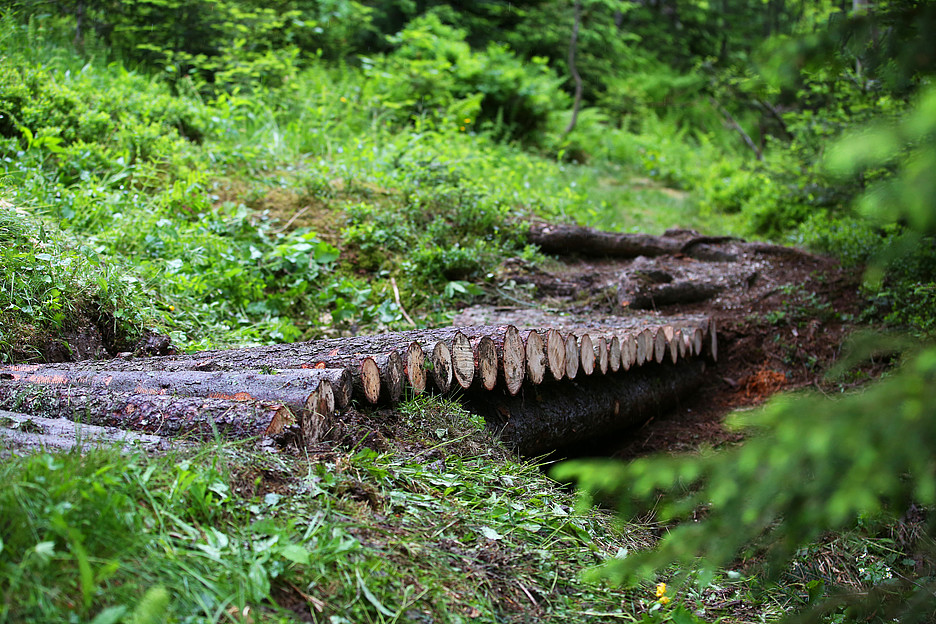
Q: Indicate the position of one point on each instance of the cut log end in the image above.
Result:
(644, 347)
(587, 354)
(602, 348)
(535, 349)
(441, 367)
(414, 365)
(463, 360)
(487, 362)
(513, 360)
(556, 354)
(615, 355)
(572, 355)
(369, 380)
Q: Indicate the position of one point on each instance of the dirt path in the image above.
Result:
(782, 316)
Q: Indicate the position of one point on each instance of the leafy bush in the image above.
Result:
(433, 73)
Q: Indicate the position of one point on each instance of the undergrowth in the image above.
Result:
(226, 533)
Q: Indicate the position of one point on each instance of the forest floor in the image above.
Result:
(783, 318)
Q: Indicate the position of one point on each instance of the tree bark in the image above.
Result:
(555, 415)
(573, 69)
(164, 415)
(289, 388)
(35, 433)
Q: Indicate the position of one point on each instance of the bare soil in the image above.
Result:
(783, 316)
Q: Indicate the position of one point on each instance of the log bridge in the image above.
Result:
(539, 388)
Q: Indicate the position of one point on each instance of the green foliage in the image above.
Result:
(813, 465)
(351, 536)
(53, 286)
(433, 74)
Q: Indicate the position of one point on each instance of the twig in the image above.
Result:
(528, 595)
(396, 297)
(291, 219)
(734, 124)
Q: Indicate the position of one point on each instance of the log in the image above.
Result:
(644, 347)
(463, 360)
(572, 355)
(615, 355)
(601, 348)
(573, 239)
(289, 388)
(414, 367)
(556, 354)
(391, 376)
(712, 345)
(628, 351)
(535, 350)
(316, 420)
(660, 344)
(556, 415)
(366, 374)
(29, 433)
(486, 362)
(587, 354)
(158, 414)
(511, 355)
(657, 295)
(439, 363)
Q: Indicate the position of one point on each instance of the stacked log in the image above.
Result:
(281, 390)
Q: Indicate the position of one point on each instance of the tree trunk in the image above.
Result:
(290, 388)
(164, 415)
(573, 69)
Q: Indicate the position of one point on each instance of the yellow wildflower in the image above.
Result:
(661, 590)
(462, 128)
(664, 600)
(172, 308)
(343, 99)
(467, 120)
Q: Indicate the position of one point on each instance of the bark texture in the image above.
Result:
(555, 415)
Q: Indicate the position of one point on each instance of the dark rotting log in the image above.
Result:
(601, 350)
(289, 388)
(556, 354)
(572, 355)
(555, 415)
(650, 297)
(535, 352)
(573, 239)
(159, 414)
(463, 360)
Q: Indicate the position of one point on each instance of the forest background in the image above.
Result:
(236, 172)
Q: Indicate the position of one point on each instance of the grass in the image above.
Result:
(224, 533)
